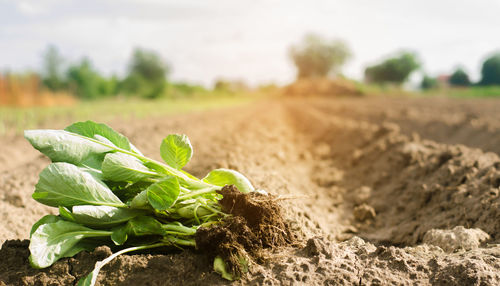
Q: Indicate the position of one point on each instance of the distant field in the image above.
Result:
(17, 119)
(474, 91)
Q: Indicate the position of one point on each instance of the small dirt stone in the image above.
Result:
(15, 200)
(361, 195)
(458, 238)
(364, 212)
(316, 246)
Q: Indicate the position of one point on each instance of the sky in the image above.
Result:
(204, 40)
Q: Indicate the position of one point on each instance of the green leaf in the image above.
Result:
(63, 146)
(44, 220)
(144, 225)
(221, 268)
(120, 234)
(52, 241)
(63, 184)
(66, 214)
(100, 216)
(163, 194)
(119, 167)
(128, 192)
(81, 246)
(94, 172)
(80, 144)
(189, 175)
(138, 226)
(185, 179)
(222, 177)
(140, 201)
(90, 279)
(96, 130)
(190, 210)
(157, 167)
(176, 150)
(162, 170)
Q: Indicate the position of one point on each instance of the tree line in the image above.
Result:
(147, 73)
(146, 76)
(315, 56)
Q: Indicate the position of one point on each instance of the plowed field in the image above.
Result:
(380, 191)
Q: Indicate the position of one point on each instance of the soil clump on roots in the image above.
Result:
(256, 222)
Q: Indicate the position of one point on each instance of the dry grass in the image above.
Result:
(25, 90)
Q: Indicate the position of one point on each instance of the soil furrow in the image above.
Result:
(366, 199)
(472, 123)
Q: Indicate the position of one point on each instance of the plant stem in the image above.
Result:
(215, 210)
(96, 233)
(180, 229)
(179, 241)
(198, 192)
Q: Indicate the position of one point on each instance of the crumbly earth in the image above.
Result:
(256, 223)
(362, 181)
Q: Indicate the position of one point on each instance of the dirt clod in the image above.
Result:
(458, 238)
(364, 212)
(315, 246)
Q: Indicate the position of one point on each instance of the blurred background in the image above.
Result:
(63, 60)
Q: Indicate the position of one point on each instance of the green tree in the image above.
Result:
(428, 82)
(52, 69)
(146, 75)
(87, 83)
(490, 70)
(109, 86)
(459, 78)
(393, 70)
(317, 57)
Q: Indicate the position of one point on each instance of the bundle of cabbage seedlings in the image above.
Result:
(108, 192)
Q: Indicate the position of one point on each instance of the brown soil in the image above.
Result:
(321, 87)
(262, 214)
(257, 223)
(378, 190)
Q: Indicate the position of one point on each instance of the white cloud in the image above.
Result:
(207, 39)
(28, 8)
(36, 7)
